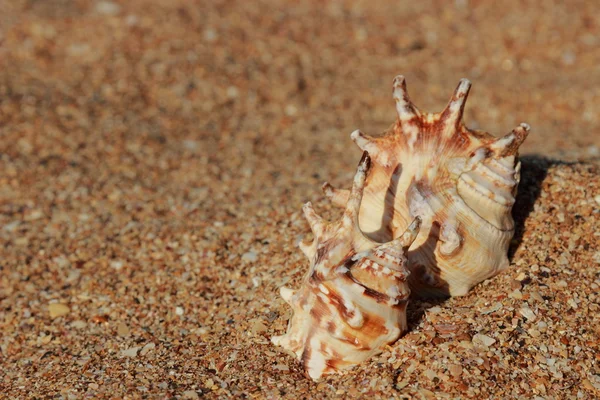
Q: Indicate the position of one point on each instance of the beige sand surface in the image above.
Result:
(154, 156)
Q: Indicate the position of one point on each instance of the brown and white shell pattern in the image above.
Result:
(462, 183)
(353, 299)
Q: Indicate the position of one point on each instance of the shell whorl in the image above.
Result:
(462, 184)
(353, 299)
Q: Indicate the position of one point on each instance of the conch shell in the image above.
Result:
(353, 298)
(462, 183)
(453, 188)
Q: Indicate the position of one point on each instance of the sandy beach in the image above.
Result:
(155, 156)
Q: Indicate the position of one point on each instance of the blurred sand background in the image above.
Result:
(154, 156)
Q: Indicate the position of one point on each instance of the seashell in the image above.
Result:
(462, 183)
(353, 299)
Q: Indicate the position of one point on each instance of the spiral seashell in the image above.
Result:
(460, 182)
(353, 299)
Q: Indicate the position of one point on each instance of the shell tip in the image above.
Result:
(462, 90)
(355, 135)
(464, 83)
(399, 80)
(416, 224)
(411, 233)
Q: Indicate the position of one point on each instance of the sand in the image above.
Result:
(154, 158)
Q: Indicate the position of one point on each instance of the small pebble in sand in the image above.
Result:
(258, 326)
(78, 324)
(116, 264)
(147, 348)
(493, 308)
(122, 329)
(107, 8)
(521, 277)
(484, 340)
(455, 370)
(527, 313)
(250, 256)
(58, 310)
(190, 394)
(516, 294)
(130, 352)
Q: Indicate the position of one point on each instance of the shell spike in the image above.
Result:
(411, 233)
(508, 145)
(404, 107)
(339, 197)
(371, 145)
(453, 113)
(405, 240)
(317, 224)
(355, 197)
